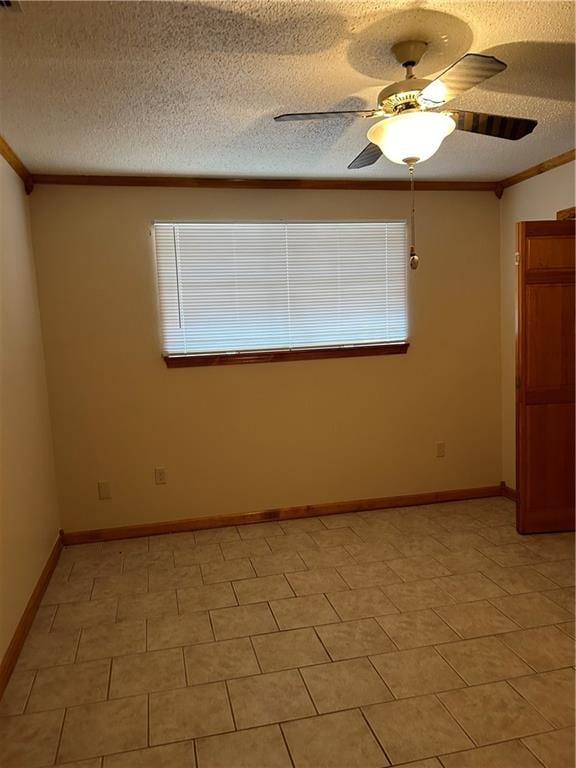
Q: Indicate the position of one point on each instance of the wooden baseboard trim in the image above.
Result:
(280, 513)
(13, 651)
(507, 492)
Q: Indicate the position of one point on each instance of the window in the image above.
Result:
(250, 290)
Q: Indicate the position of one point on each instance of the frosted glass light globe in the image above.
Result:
(411, 137)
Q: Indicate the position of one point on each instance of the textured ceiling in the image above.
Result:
(191, 87)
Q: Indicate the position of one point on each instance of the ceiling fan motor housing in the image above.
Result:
(401, 95)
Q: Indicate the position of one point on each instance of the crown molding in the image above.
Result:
(221, 182)
(14, 161)
(536, 170)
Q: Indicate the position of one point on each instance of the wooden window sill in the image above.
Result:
(284, 355)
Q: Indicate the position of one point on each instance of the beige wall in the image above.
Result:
(28, 505)
(243, 438)
(537, 198)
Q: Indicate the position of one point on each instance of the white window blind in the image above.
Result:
(232, 287)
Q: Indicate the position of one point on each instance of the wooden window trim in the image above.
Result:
(285, 355)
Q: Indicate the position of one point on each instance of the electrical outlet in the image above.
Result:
(160, 476)
(104, 489)
(440, 450)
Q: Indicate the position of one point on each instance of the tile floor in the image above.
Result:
(429, 637)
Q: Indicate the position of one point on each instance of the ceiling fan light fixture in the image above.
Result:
(411, 137)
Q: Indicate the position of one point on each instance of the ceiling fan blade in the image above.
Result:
(502, 127)
(368, 156)
(467, 72)
(324, 115)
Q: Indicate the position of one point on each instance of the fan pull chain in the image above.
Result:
(413, 257)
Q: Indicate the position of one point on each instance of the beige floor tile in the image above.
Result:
(225, 660)
(68, 591)
(259, 747)
(125, 546)
(416, 628)
(551, 693)
(101, 566)
(216, 535)
(326, 558)
(344, 684)
(417, 595)
(493, 712)
(468, 587)
(302, 525)
(286, 650)
(198, 554)
(95, 762)
(163, 579)
(512, 754)
(564, 597)
(483, 660)
(269, 698)
(531, 610)
(417, 568)
(422, 546)
(244, 549)
(71, 616)
(291, 542)
(341, 520)
(206, 597)
(523, 578)
(174, 631)
(48, 649)
(554, 750)
(189, 713)
(562, 573)
(15, 696)
(104, 728)
(361, 603)
(171, 541)
(147, 672)
(339, 537)
(456, 542)
(139, 560)
(416, 672)
(295, 612)
(316, 581)
(368, 575)
(511, 554)
(552, 547)
(476, 619)
(69, 685)
(279, 562)
(350, 639)
(503, 534)
(544, 648)
(467, 561)
(133, 582)
(228, 570)
(373, 553)
(262, 588)
(131, 607)
(179, 755)
(112, 640)
(334, 741)
(569, 628)
(30, 741)
(44, 618)
(260, 530)
(242, 620)
(431, 762)
(416, 728)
